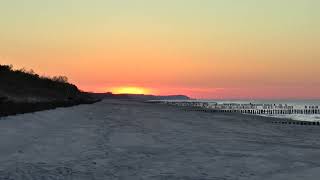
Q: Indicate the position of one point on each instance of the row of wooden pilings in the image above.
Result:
(306, 123)
(262, 111)
(204, 106)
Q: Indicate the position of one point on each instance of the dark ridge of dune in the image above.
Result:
(23, 91)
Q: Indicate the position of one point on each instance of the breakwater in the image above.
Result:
(248, 108)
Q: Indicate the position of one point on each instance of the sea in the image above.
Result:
(295, 103)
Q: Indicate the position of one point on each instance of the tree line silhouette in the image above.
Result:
(23, 83)
(23, 90)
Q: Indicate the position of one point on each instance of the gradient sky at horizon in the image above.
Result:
(202, 48)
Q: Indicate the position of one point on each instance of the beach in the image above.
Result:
(122, 139)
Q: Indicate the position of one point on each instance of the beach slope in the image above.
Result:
(119, 139)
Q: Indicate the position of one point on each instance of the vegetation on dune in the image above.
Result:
(22, 85)
(23, 91)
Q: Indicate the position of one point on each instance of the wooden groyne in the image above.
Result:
(254, 111)
(302, 123)
(259, 109)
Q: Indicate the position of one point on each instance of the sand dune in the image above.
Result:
(118, 139)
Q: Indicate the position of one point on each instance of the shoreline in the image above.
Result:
(268, 119)
(18, 108)
(280, 118)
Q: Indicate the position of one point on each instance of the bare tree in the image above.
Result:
(62, 79)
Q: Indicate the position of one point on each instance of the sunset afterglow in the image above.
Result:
(130, 90)
(201, 48)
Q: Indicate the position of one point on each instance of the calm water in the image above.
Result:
(295, 103)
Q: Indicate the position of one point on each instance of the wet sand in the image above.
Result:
(118, 139)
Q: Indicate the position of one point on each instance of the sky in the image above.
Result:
(217, 49)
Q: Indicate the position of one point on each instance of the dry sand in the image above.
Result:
(116, 139)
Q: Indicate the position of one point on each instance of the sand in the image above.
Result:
(118, 139)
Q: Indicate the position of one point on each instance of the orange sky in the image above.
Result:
(212, 49)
